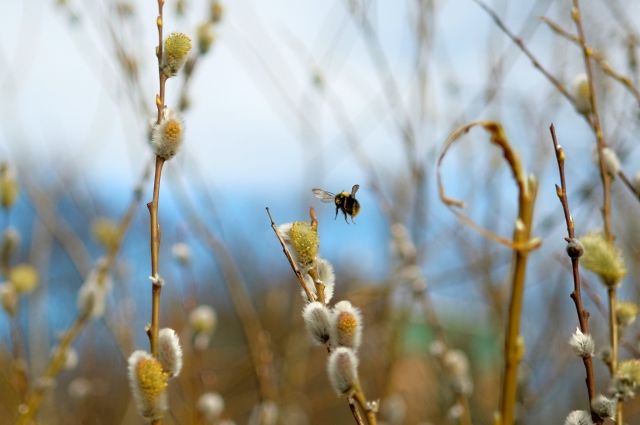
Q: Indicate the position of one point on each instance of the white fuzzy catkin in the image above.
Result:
(182, 253)
(603, 406)
(346, 325)
(265, 413)
(167, 135)
(148, 389)
(611, 161)
(169, 351)
(394, 409)
(79, 388)
(203, 319)
(92, 295)
(342, 368)
(578, 417)
(581, 93)
(70, 357)
(210, 406)
(327, 277)
(457, 364)
(317, 319)
(582, 344)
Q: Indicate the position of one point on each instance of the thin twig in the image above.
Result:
(292, 263)
(583, 314)
(518, 42)
(599, 58)
(627, 182)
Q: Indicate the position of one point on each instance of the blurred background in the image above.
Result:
(280, 97)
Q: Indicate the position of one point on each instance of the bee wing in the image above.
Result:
(354, 189)
(323, 195)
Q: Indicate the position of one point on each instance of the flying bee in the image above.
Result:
(344, 201)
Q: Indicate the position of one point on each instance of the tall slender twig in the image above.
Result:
(594, 118)
(154, 328)
(574, 254)
(595, 122)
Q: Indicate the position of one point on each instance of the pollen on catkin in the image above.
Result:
(317, 319)
(24, 278)
(176, 49)
(210, 406)
(582, 344)
(346, 325)
(603, 258)
(579, 417)
(626, 312)
(342, 368)
(148, 382)
(167, 135)
(582, 93)
(169, 351)
(305, 242)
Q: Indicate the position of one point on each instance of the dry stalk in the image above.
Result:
(583, 314)
(521, 244)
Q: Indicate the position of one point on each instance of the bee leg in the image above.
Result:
(336, 213)
(345, 217)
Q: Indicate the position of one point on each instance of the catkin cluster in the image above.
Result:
(339, 327)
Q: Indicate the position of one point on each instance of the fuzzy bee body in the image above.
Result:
(344, 201)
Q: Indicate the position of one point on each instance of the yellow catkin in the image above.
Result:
(629, 370)
(151, 378)
(347, 324)
(603, 258)
(176, 48)
(105, 232)
(8, 186)
(24, 278)
(305, 242)
(626, 312)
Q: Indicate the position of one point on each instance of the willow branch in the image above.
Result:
(583, 314)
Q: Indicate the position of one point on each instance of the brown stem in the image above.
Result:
(583, 315)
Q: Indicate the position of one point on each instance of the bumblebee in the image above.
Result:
(344, 201)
